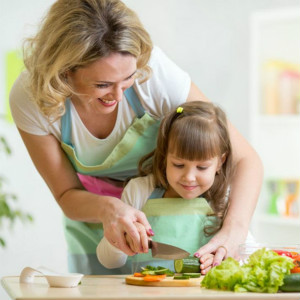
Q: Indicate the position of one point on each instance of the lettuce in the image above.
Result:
(263, 273)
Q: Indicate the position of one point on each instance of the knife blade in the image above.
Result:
(166, 251)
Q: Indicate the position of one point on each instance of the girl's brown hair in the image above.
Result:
(74, 34)
(196, 131)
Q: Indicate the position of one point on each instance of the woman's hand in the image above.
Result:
(143, 248)
(224, 244)
(121, 222)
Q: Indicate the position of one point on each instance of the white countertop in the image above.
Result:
(115, 288)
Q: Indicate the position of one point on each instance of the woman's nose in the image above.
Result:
(118, 93)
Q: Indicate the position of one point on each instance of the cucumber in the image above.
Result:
(181, 277)
(187, 265)
(161, 271)
(192, 275)
(291, 283)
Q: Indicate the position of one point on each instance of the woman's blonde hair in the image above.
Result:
(74, 34)
(196, 131)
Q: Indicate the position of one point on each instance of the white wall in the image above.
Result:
(207, 38)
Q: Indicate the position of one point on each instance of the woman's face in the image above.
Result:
(189, 179)
(100, 85)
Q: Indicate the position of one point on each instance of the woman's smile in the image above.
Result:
(107, 103)
(103, 82)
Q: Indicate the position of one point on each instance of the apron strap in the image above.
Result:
(66, 124)
(131, 97)
(157, 193)
(134, 102)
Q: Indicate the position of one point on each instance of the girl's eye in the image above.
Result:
(178, 165)
(201, 168)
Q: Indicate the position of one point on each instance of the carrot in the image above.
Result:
(295, 270)
(295, 254)
(154, 277)
(138, 275)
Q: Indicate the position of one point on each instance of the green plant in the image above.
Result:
(7, 210)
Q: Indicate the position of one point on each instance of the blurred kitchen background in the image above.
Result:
(244, 55)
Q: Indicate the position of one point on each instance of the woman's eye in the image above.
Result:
(130, 77)
(102, 86)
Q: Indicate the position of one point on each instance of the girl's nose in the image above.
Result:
(189, 175)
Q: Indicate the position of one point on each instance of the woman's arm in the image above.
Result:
(77, 203)
(245, 189)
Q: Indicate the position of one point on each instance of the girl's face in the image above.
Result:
(189, 179)
(100, 85)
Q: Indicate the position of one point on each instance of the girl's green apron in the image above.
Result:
(175, 221)
(121, 164)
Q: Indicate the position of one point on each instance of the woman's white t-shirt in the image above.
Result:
(167, 88)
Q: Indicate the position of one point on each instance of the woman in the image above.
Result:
(79, 127)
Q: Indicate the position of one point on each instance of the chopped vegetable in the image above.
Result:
(187, 265)
(295, 254)
(263, 273)
(291, 283)
(283, 253)
(296, 269)
(138, 274)
(154, 277)
(150, 270)
(181, 277)
(192, 275)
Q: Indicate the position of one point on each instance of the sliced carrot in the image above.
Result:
(296, 257)
(138, 275)
(295, 270)
(154, 277)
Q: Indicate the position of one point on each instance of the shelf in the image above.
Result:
(284, 120)
(275, 39)
(279, 221)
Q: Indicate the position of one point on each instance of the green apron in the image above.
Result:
(175, 221)
(121, 164)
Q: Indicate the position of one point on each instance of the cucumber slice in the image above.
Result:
(291, 283)
(192, 275)
(161, 271)
(187, 265)
(181, 277)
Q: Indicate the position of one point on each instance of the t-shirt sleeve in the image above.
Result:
(109, 256)
(137, 191)
(167, 87)
(136, 194)
(25, 113)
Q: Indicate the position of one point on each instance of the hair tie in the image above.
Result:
(179, 109)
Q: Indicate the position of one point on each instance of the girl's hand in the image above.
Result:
(206, 262)
(143, 248)
(119, 221)
(224, 244)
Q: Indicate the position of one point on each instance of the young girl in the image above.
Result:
(184, 185)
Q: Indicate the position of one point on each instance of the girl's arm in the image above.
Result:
(245, 189)
(109, 256)
(77, 203)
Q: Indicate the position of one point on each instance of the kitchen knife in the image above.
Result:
(165, 251)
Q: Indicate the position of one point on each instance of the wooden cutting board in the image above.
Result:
(168, 281)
